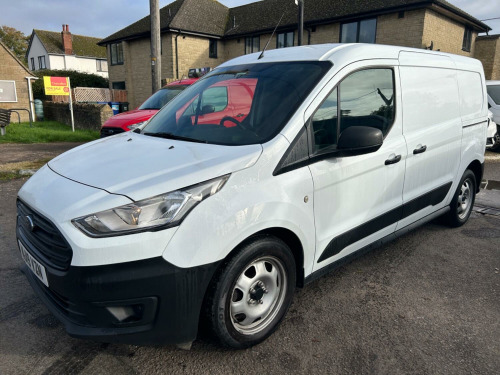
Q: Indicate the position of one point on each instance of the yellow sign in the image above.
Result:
(56, 86)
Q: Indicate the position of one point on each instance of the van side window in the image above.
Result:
(365, 98)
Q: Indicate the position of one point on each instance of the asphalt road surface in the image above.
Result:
(427, 303)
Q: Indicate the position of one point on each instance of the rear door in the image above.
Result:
(432, 128)
(357, 199)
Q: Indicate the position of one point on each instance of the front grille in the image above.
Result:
(43, 238)
(106, 132)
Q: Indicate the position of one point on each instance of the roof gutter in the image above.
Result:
(148, 34)
(470, 19)
(79, 56)
(186, 32)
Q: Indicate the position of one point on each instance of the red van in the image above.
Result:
(130, 120)
(222, 103)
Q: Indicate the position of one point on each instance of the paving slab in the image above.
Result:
(19, 152)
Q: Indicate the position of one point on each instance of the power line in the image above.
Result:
(489, 19)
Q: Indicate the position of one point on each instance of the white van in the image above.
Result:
(493, 90)
(331, 151)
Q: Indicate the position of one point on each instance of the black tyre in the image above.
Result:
(463, 200)
(251, 292)
(496, 146)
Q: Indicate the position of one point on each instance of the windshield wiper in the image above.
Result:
(175, 137)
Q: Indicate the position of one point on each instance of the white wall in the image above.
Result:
(80, 64)
(37, 49)
(57, 62)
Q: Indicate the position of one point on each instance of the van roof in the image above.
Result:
(340, 52)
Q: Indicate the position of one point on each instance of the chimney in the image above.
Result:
(67, 40)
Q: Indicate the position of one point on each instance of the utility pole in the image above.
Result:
(300, 3)
(154, 10)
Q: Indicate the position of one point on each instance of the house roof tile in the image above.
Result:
(82, 45)
(316, 11)
(209, 17)
(201, 16)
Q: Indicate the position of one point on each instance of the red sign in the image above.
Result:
(59, 81)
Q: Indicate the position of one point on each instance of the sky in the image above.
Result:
(101, 18)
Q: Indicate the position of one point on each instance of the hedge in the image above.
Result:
(78, 79)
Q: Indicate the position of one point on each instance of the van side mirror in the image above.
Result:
(359, 140)
(208, 108)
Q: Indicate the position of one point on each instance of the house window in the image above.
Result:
(41, 62)
(359, 32)
(212, 49)
(284, 40)
(8, 92)
(466, 44)
(116, 52)
(32, 60)
(118, 85)
(101, 65)
(252, 44)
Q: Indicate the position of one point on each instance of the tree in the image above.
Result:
(15, 40)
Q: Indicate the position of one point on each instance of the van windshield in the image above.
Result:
(494, 92)
(238, 105)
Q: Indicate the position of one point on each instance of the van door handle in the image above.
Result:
(393, 160)
(419, 150)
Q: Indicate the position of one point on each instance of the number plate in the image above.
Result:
(34, 265)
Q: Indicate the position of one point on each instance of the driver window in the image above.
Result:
(364, 98)
(367, 99)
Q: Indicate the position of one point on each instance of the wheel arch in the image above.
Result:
(477, 168)
(295, 245)
(285, 235)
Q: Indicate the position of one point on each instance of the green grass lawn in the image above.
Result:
(44, 132)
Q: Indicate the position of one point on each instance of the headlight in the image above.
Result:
(135, 126)
(159, 212)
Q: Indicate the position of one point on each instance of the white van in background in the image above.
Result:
(493, 90)
(138, 237)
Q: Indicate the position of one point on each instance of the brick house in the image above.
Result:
(205, 33)
(15, 87)
(66, 51)
(488, 51)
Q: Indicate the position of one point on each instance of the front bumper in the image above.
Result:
(166, 300)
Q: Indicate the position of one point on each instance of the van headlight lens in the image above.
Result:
(159, 212)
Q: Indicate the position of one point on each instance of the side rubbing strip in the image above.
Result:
(339, 243)
(476, 123)
(432, 198)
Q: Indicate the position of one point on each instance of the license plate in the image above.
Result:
(34, 265)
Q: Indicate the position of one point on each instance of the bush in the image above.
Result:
(77, 79)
